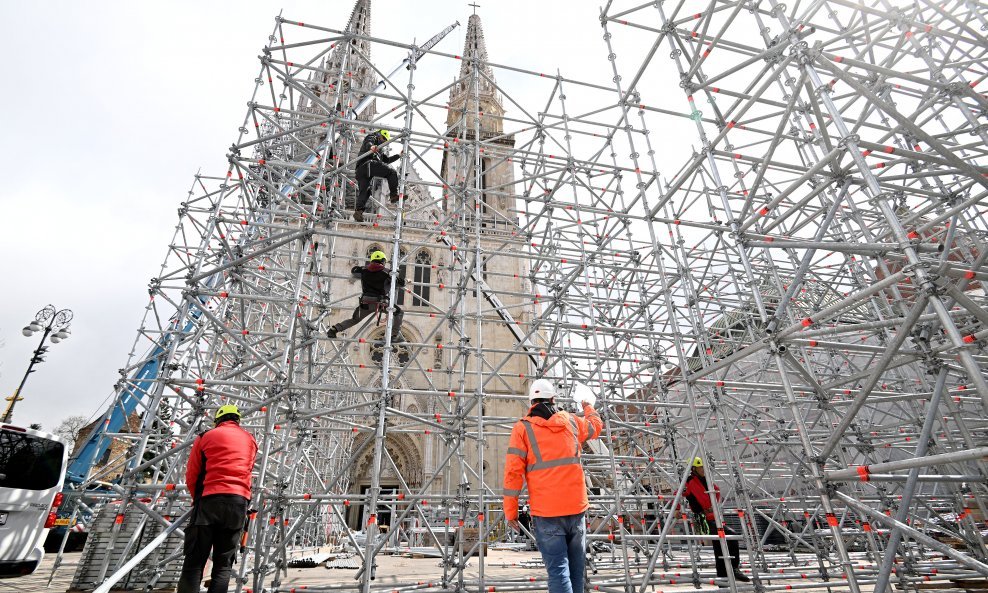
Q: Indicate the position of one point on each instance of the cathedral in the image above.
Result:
(453, 283)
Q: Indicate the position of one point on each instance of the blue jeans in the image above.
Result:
(562, 542)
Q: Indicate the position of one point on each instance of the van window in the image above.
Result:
(29, 462)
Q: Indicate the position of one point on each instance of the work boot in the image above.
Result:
(394, 199)
(332, 332)
(358, 215)
(741, 577)
(397, 339)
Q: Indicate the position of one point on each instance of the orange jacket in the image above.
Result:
(546, 454)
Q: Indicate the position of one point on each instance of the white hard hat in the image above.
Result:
(541, 389)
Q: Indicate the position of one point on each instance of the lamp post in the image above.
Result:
(55, 327)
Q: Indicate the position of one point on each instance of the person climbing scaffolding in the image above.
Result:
(375, 283)
(373, 162)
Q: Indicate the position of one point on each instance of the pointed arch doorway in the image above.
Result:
(407, 458)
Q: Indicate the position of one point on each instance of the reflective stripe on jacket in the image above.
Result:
(222, 460)
(546, 454)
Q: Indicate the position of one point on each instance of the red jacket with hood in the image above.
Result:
(698, 497)
(221, 460)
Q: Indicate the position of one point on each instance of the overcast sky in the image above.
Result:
(109, 108)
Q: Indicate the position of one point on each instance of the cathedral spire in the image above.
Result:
(353, 59)
(476, 116)
(473, 97)
(359, 22)
(474, 51)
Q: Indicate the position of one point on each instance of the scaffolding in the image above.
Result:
(799, 299)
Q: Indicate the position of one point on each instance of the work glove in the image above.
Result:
(583, 395)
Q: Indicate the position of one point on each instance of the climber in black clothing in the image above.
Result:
(374, 163)
(375, 283)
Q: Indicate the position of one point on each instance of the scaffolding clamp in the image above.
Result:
(863, 474)
(849, 140)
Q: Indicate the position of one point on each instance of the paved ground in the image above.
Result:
(514, 570)
(38, 580)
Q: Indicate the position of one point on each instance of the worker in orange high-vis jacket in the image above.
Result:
(544, 451)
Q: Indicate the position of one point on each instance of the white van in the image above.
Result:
(32, 469)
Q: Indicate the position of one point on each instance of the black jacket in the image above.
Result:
(375, 280)
(374, 139)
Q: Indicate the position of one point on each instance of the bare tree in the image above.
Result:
(70, 427)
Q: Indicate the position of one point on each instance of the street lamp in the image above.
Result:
(55, 327)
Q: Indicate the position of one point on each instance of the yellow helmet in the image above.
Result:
(697, 462)
(227, 409)
(386, 134)
(378, 256)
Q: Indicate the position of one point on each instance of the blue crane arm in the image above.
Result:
(123, 405)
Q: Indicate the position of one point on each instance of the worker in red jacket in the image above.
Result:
(697, 494)
(544, 451)
(218, 477)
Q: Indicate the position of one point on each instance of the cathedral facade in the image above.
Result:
(459, 251)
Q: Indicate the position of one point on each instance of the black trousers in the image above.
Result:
(215, 527)
(363, 310)
(732, 548)
(365, 173)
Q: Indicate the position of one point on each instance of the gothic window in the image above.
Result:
(371, 249)
(400, 353)
(437, 357)
(423, 277)
(486, 210)
(403, 273)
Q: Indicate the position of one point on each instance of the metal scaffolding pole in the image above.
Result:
(764, 247)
